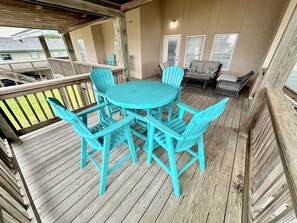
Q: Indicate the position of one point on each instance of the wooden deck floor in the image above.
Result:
(62, 192)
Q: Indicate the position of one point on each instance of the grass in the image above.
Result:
(28, 111)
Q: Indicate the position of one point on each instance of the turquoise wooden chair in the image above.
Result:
(104, 137)
(103, 80)
(177, 136)
(173, 76)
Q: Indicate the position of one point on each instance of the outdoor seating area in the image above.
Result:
(148, 111)
(137, 192)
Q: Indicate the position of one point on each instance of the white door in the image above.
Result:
(171, 49)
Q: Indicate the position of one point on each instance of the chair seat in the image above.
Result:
(176, 125)
(117, 137)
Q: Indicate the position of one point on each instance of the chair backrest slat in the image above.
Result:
(77, 124)
(173, 76)
(102, 79)
(199, 124)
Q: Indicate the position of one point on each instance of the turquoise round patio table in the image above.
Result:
(141, 94)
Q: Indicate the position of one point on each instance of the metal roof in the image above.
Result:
(8, 44)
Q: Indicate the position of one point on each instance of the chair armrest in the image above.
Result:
(159, 125)
(100, 93)
(91, 109)
(115, 126)
(187, 108)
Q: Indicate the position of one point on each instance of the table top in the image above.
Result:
(141, 94)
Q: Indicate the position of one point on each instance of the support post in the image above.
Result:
(7, 130)
(282, 64)
(44, 46)
(46, 51)
(120, 32)
(72, 57)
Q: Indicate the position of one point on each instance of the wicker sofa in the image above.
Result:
(204, 72)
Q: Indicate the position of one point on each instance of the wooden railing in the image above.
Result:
(16, 77)
(23, 66)
(273, 162)
(25, 106)
(67, 68)
(16, 204)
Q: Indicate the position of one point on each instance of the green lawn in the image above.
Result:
(18, 113)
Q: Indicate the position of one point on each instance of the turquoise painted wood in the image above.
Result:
(103, 80)
(177, 136)
(173, 76)
(104, 137)
(141, 94)
(111, 59)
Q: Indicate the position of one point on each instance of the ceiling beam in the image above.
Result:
(134, 4)
(77, 25)
(83, 6)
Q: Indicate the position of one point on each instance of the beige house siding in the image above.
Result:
(84, 33)
(254, 20)
(150, 25)
(134, 42)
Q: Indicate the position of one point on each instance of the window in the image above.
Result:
(223, 48)
(5, 57)
(55, 53)
(292, 80)
(82, 50)
(34, 55)
(194, 49)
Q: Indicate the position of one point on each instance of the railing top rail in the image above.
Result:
(19, 90)
(24, 61)
(284, 121)
(112, 68)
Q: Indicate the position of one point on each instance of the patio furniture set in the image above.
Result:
(148, 105)
(206, 72)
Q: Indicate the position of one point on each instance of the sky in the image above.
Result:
(7, 31)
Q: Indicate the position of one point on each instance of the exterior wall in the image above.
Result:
(98, 42)
(84, 33)
(254, 20)
(108, 37)
(134, 42)
(150, 17)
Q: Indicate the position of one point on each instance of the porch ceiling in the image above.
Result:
(62, 15)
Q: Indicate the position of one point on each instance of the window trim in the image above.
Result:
(231, 56)
(37, 55)
(204, 37)
(85, 50)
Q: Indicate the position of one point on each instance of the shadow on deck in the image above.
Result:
(62, 192)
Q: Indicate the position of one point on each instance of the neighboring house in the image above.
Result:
(29, 49)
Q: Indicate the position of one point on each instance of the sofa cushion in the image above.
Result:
(210, 64)
(227, 77)
(197, 65)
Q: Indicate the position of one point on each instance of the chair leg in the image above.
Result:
(105, 160)
(173, 169)
(201, 153)
(83, 152)
(170, 111)
(131, 144)
(150, 144)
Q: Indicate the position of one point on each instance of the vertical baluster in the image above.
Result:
(69, 98)
(32, 109)
(22, 110)
(12, 114)
(92, 88)
(88, 93)
(41, 108)
(50, 107)
(75, 96)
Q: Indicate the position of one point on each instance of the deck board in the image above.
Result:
(62, 192)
